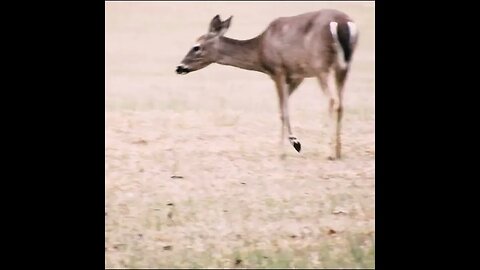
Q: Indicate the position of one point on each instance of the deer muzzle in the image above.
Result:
(182, 69)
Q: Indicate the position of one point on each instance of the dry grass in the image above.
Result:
(237, 203)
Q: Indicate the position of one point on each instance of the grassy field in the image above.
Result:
(193, 174)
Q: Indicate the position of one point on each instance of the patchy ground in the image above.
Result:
(193, 174)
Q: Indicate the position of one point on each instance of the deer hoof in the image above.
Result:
(296, 144)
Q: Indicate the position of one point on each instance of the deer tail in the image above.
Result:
(344, 36)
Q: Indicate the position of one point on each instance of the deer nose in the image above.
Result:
(182, 69)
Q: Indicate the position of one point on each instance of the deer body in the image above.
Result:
(290, 49)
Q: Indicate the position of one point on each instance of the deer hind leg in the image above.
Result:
(335, 110)
(283, 94)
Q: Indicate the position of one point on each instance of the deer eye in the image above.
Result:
(196, 48)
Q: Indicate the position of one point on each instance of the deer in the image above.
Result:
(309, 45)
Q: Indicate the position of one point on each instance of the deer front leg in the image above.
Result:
(283, 94)
(281, 98)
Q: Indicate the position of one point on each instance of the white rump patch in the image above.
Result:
(340, 54)
(333, 29)
(353, 29)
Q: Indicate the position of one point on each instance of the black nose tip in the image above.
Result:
(179, 69)
(182, 70)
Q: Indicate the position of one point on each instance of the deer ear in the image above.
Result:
(215, 25)
(226, 23)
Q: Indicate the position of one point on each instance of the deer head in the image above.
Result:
(205, 51)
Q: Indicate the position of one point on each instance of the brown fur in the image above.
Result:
(289, 50)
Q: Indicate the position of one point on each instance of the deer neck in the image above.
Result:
(240, 53)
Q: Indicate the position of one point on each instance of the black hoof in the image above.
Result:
(297, 146)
